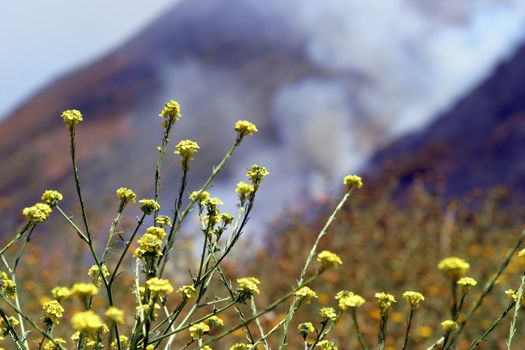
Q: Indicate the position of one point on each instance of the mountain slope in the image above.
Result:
(479, 142)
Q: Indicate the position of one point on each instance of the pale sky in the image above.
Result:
(42, 39)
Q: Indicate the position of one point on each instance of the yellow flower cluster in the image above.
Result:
(52, 345)
(72, 117)
(94, 273)
(198, 330)
(413, 298)
(513, 295)
(353, 181)
(115, 315)
(123, 342)
(305, 328)
(7, 286)
(455, 267)
(245, 127)
(186, 149)
(244, 190)
(449, 325)
(187, 291)
(37, 213)
(256, 174)
(159, 287)
(150, 245)
(170, 113)
(384, 301)
(158, 232)
(162, 220)
(467, 283)
(349, 300)
(52, 197)
(12, 322)
(521, 253)
(53, 312)
(214, 321)
(84, 290)
(200, 197)
(328, 313)
(305, 294)
(239, 346)
(149, 206)
(248, 286)
(126, 196)
(328, 259)
(326, 345)
(87, 322)
(60, 293)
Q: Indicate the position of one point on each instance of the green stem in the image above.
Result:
(409, 325)
(492, 327)
(309, 258)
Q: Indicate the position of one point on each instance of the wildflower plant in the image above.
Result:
(157, 304)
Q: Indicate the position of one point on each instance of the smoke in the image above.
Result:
(416, 56)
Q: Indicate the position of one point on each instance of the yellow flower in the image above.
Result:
(198, 330)
(214, 321)
(328, 259)
(87, 322)
(467, 283)
(159, 287)
(149, 206)
(187, 292)
(305, 328)
(53, 311)
(72, 117)
(49, 345)
(454, 266)
(512, 294)
(115, 315)
(186, 149)
(244, 190)
(12, 322)
(123, 341)
(149, 245)
(37, 213)
(170, 113)
(326, 345)
(413, 298)
(7, 286)
(198, 196)
(449, 325)
(521, 253)
(126, 196)
(159, 232)
(351, 181)
(60, 293)
(328, 314)
(94, 273)
(239, 346)
(248, 286)
(163, 220)
(52, 197)
(256, 174)
(349, 300)
(83, 290)
(384, 301)
(305, 294)
(244, 127)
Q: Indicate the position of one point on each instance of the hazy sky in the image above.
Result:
(41, 39)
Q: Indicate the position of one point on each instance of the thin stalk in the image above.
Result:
(492, 326)
(75, 227)
(309, 258)
(360, 337)
(18, 235)
(12, 275)
(409, 325)
(512, 329)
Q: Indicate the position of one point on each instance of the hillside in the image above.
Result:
(478, 142)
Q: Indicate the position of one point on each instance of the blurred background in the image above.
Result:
(393, 89)
(424, 98)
